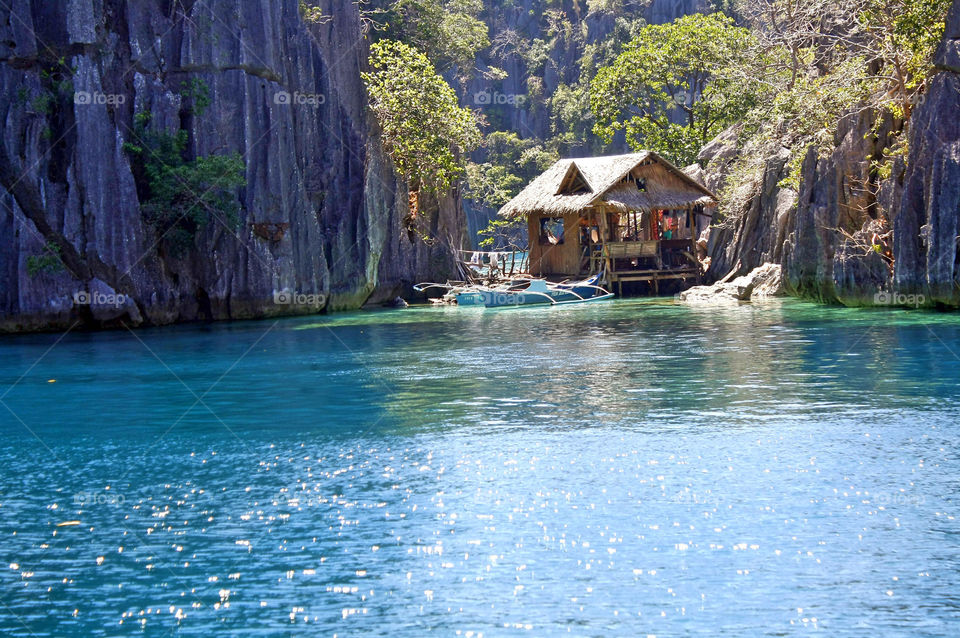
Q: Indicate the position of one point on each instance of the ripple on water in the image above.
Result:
(639, 469)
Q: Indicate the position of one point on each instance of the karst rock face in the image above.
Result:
(798, 228)
(323, 216)
(927, 225)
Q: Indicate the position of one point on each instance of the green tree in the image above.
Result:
(462, 34)
(424, 129)
(449, 32)
(675, 86)
(905, 35)
(511, 162)
(505, 234)
(492, 185)
(821, 60)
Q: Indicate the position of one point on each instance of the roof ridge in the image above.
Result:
(601, 174)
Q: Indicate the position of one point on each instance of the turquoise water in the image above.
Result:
(629, 468)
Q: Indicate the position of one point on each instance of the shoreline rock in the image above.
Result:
(762, 282)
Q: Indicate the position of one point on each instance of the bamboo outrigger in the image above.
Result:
(633, 217)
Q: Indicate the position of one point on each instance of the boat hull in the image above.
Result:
(538, 292)
(471, 298)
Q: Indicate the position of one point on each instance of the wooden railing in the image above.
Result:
(612, 251)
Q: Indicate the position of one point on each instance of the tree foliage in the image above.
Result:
(423, 127)
(448, 32)
(823, 59)
(905, 35)
(674, 86)
(491, 185)
(819, 62)
(504, 234)
(511, 163)
(892, 40)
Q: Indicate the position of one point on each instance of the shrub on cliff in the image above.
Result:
(824, 61)
(424, 129)
(448, 32)
(180, 197)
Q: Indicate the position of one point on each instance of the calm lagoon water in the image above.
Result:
(630, 468)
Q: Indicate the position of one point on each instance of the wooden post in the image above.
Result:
(693, 225)
(694, 236)
(605, 259)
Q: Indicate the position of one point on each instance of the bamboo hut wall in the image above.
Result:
(533, 243)
(554, 259)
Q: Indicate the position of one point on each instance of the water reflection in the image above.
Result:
(630, 468)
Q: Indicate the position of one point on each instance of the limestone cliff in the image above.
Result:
(800, 228)
(322, 212)
(927, 225)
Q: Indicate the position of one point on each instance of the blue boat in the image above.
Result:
(541, 291)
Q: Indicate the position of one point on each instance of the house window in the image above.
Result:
(551, 230)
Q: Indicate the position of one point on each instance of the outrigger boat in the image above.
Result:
(524, 292)
(541, 291)
(462, 293)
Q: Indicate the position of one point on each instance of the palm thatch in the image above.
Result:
(637, 181)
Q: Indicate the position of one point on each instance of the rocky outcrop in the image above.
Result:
(760, 283)
(754, 227)
(825, 232)
(322, 214)
(927, 224)
(837, 197)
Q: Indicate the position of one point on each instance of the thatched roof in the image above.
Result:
(560, 189)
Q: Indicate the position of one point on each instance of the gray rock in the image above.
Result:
(753, 234)
(947, 57)
(761, 283)
(321, 214)
(927, 226)
(82, 19)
